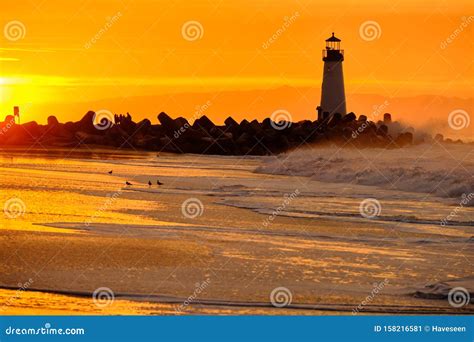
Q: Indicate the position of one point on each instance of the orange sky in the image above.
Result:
(140, 51)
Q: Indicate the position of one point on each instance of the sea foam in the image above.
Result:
(440, 170)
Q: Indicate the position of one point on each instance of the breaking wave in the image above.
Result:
(444, 171)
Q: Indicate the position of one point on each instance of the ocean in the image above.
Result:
(312, 231)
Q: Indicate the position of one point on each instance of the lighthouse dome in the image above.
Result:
(333, 39)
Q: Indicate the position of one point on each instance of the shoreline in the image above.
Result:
(175, 302)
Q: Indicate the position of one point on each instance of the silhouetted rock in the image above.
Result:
(52, 121)
(204, 123)
(230, 122)
(404, 139)
(382, 130)
(232, 127)
(169, 125)
(349, 117)
(387, 118)
(178, 136)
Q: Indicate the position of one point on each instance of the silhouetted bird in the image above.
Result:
(158, 182)
(128, 183)
(110, 172)
(149, 183)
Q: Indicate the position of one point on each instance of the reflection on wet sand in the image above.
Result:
(82, 229)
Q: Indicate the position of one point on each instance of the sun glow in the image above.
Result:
(81, 59)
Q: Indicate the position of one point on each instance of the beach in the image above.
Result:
(235, 235)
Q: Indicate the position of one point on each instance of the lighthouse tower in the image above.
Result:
(333, 97)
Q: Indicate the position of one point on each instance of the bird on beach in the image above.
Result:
(110, 172)
(158, 182)
(128, 183)
(149, 183)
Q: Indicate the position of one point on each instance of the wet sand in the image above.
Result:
(72, 239)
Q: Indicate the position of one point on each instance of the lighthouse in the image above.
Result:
(333, 97)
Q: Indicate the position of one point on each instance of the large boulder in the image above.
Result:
(382, 130)
(143, 126)
(439, 138)
(404, 139)
(349, 117)
(169, 125)
(52, 121)
(204, 123)
(387, 118)
(232, 126)
(86, 124)
(335, 119)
